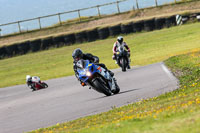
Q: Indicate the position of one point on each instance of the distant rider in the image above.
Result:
(78, 54)
(118, 43)
(29, 82)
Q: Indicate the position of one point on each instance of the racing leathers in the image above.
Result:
(30, 83)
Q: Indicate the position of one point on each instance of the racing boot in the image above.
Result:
(117, 89)
(113, 88)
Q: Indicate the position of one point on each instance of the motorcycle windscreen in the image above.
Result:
(82, 63)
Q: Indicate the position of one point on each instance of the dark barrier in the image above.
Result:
(138, 26)
(115, 30)
(92, 35)
(24, 47)
(193, 17)
(159, 23)
(185, 18)
(81, 37)
(149, 24)
(69, 39)
(127, 28)
(58, 41)
(3, 52)
(103, 32)
(12, 50)
(46, 43)
(170, 21)
(35, 45)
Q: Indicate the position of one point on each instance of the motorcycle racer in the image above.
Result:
(29, 82)
(118, 43)
(78, 54)
(35, 83)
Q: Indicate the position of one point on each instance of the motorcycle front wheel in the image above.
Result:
(123, 64)
(44, 85)
(101, 86)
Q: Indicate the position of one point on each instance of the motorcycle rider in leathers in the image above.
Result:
(118, 43)
(29, 82)
(78, 54)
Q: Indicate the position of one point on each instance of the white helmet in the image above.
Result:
(120, 39)
(27, 77)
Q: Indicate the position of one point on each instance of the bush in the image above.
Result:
(35, 45)
(92, 35)
(24, 47)
(46, 43)
(138, 26)
(149, 25)
(127, 28)
(81, 37)
(115, 30)
(12, 50)
(103, 32)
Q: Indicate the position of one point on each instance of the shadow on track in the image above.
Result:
(126, 91)
(114, 94)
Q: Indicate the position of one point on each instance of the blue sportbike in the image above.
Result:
(97, 78)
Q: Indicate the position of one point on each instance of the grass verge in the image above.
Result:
(146, 48)
(177, 111)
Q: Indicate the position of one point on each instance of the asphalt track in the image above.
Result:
(22, 110)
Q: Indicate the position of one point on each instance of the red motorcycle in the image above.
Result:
(35, 83)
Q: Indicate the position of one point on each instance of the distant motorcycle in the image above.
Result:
(35, 83)
(122, 58)
(97, 78)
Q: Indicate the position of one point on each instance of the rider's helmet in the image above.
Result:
(28, 77)
(120, 39)
(77, 54)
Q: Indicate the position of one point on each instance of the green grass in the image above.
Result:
(173, 112)
(146, 48)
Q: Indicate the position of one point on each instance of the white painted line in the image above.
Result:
(167, 71)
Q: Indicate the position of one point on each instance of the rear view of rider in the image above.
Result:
(120, 42)
(78, 54)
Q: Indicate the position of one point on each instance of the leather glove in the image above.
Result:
(96, 60)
